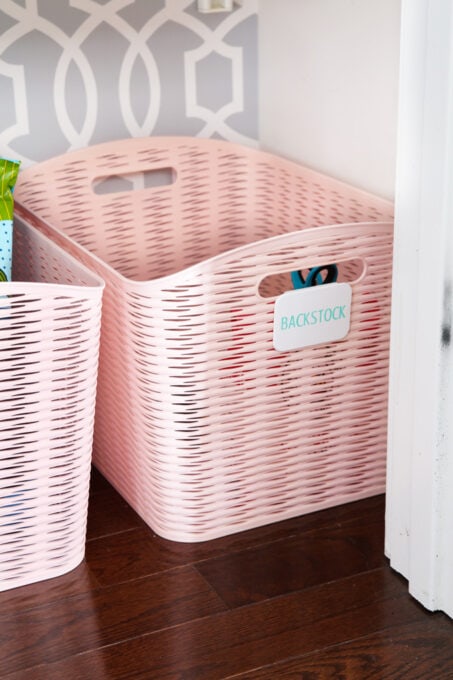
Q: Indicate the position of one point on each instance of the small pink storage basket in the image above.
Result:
(201, 425)
(49, 344)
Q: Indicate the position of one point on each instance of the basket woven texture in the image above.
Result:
(200, 424)
(49, 341)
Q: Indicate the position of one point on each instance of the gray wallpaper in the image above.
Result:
(79, 72)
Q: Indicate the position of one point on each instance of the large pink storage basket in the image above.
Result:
(49, 344)
(201, 425)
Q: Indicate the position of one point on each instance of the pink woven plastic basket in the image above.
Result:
(49, 343)
(201, 425)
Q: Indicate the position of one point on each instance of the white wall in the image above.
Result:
(329, 86)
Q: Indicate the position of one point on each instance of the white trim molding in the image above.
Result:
(419, 515)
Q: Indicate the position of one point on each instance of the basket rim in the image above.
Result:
(198, 267)
(94, 282)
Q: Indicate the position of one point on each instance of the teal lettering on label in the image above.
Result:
(302, 319)
(314, 317)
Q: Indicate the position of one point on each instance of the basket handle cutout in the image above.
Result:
(134, 181)
(273, 285)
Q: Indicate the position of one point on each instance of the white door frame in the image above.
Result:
(419, 514)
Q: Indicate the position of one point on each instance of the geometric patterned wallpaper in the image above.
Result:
(80, 72)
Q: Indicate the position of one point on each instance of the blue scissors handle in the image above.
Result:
(315, 276)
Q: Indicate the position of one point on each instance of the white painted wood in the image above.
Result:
(329, 86)
(419, 521)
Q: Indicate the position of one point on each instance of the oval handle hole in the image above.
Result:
(133, 181)
(349, 271)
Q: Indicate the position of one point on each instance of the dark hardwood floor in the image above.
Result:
(311, 598)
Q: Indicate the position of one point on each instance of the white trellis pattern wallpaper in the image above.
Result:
(79, 72)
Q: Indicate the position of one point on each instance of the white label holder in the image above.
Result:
(312, 316)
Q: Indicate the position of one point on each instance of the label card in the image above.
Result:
(312, 316)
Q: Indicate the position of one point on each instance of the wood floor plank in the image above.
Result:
(299, 562)
(134, 554)
(239, 640)
(109, 514)
(311, 597)
(102, 617)
(140, 552)
(79, 581)
(98, 482)
(416, 651)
